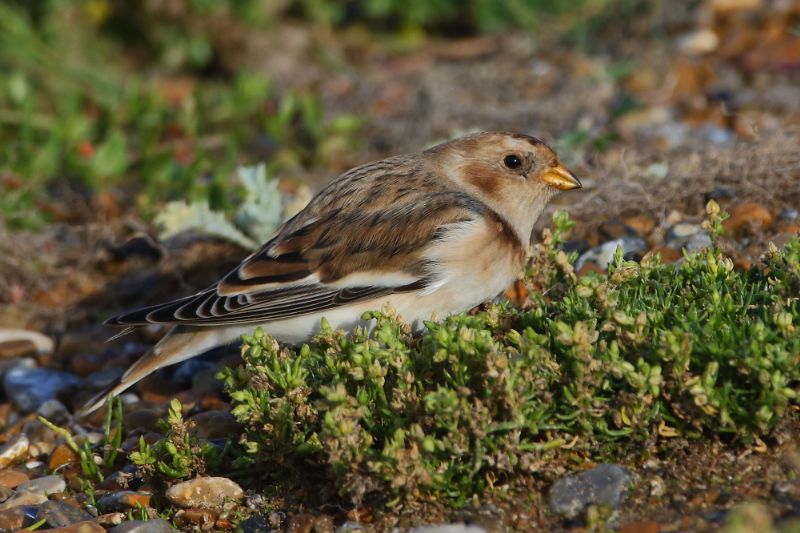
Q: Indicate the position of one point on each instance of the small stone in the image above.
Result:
(606, 484)
(255, 524)
(641, 527)
(61, 514)
(144, 418)
(102, 378)
(28, 388)
(124, 501)
(747, 214)
(143, 526)
(186, 371)
(604, 254)
(216, 424)
(14, 451)
(196, 517)
(698, 42)
(301, 523)
(54, 411)
(110, 519)
(699, 241)
(679, 234)
(12, 519)
(61, 456)
(719, 194)
(19, 342)
(89, 526)
(40, 448)
(449, 528)
(788, 213)
(5, 494)
(23, 498)
(668, 255)
(641, 224)
(657, 487)
(11, 478)
(615, 229)
(45, 485)
(324, 524)
(205, 492)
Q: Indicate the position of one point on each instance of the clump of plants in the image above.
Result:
(646, 351)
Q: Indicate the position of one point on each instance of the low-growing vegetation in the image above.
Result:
(647, 351)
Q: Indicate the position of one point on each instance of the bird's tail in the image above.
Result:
(179, 344)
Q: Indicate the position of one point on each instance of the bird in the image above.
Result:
(431, 234)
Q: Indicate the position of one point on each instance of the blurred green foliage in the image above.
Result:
(76, 115)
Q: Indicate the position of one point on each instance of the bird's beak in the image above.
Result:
(561, 178)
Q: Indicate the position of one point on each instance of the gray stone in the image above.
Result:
(205, 493)
(605, 484)
(604, 254)
(29, 388)
(43, 485)
(143, 526)
(23, 498)
(54, 411)
(61, 514)
(256, 524)
(679, 234)
(102, 378)
(788, 213)
(699, 241)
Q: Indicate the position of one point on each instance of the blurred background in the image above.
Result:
(124, 123)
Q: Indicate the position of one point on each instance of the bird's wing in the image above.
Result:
(326, 257)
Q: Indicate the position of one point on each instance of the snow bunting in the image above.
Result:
(431, 234)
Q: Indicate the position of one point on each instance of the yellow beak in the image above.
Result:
(561, 178)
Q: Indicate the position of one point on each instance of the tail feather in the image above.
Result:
(179, 344)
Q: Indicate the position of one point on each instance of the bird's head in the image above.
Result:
(514, 174)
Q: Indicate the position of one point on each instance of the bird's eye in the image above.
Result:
(512, 161)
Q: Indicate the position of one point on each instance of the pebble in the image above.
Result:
(60, 456)
(678, 235)
(29, 388)
(12, 519)
(54, 411)
(43, 485)
(23, 498)
(604, 254)
(699, 241)
(110, 519)
(89, 526)
(61, 514)
(186, 371)
(15, 338)
(196, 517)
(143, 526)
(788, 213)
(102, 378)
(606, 484)
(255, 524)
(9, 479)
(23, 362)
(746, 214)
(449, 528)
(205, 492)
(123, 501)
(215, 424)
(641, 527)
(14, 451)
